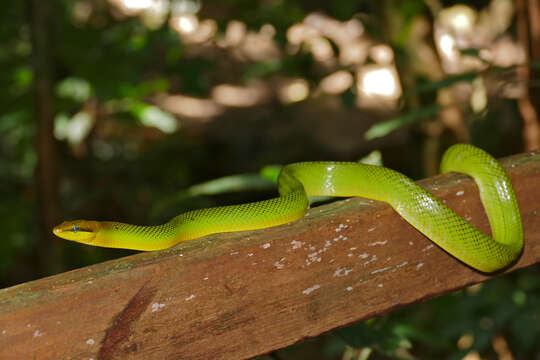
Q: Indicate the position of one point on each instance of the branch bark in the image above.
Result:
(239, 295)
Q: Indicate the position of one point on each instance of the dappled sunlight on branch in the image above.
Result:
(382, 54)
(260, 46)
(240, 96)
(337, 31)
(204, 32)
(299, 33)
(189, 107)
(136, 7)
(474, 41)
(378, 86)
(460, 19)
(460, 27)
(354, 53)
(341, 47)
(504, 52)
(235, 33)
(248, 45)
(321, 49)
(293, 90)
(316, 32)
(342, 57)
(337, 82)
(447, 47)
(184, 24)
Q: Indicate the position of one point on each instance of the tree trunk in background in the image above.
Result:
(48, 252)
(528, 29)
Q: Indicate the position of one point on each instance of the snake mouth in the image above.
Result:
(82, 231)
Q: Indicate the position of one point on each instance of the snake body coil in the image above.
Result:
(298, 181)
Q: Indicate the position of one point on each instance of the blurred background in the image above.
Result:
(125, 110)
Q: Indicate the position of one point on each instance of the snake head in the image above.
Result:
(82, 231)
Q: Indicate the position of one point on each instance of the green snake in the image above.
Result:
(297, 182)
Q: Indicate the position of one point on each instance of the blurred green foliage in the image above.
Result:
(107, 69)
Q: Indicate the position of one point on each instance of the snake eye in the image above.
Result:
(77, 230)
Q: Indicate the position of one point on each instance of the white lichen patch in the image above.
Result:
(341, 227)
(363, 256)
(234, 253)
(250, 254)
(380, 285)
(411, 243)
(265, 246)
(38, 333)
(402, 264)
(460, 192)
(381, 270)
(371, 229)
(156, 306)
(340, 237)
(375, 243)
(278, 264)
(373, 258)
(428, 247)
(190, 297)
(419, 266)
(313, 257)
(349, 288)
(342, 272)
(90, 342)
(296, 244)
(311, 289)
